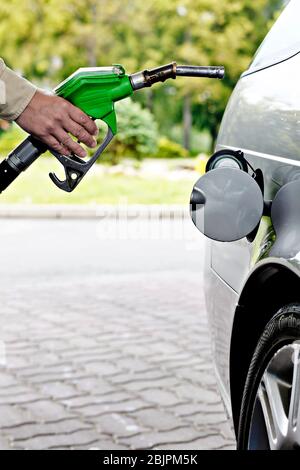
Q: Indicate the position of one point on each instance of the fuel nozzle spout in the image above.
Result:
(200, 71)
(147, 78)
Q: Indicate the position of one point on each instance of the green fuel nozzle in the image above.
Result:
(95, 91)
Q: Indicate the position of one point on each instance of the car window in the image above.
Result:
(283, 40)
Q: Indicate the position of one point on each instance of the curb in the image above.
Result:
(60, 211)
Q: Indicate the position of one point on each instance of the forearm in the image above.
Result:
(15, 93)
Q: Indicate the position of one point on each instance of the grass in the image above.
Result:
(34, 186)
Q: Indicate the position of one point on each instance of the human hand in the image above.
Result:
(51, 119)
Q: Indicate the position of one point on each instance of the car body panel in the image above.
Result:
(262, 120)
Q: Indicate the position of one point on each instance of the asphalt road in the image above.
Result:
(104, 340)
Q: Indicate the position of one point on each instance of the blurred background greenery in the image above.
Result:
(46, 40)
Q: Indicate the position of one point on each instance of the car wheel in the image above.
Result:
(270, 411)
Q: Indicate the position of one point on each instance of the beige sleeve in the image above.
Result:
(15, 93)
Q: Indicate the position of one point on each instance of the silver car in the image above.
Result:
(248, 205)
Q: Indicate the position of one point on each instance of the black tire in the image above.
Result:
(283, 329)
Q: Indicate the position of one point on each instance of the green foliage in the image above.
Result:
(137, 133)
(200, 139)
(48, 39)
(10, 138)
(169, 149)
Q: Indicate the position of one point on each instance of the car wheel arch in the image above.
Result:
(272, 284)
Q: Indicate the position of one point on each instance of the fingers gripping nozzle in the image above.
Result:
(147, 78)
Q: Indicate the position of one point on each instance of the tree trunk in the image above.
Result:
(150, 100)
(187, 122)
(214, 134)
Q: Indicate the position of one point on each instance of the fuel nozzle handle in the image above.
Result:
(147, 78)
(20, 159)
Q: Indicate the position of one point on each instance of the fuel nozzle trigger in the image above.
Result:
(76, 168)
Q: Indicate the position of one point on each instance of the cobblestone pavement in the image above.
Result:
(104, 343)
